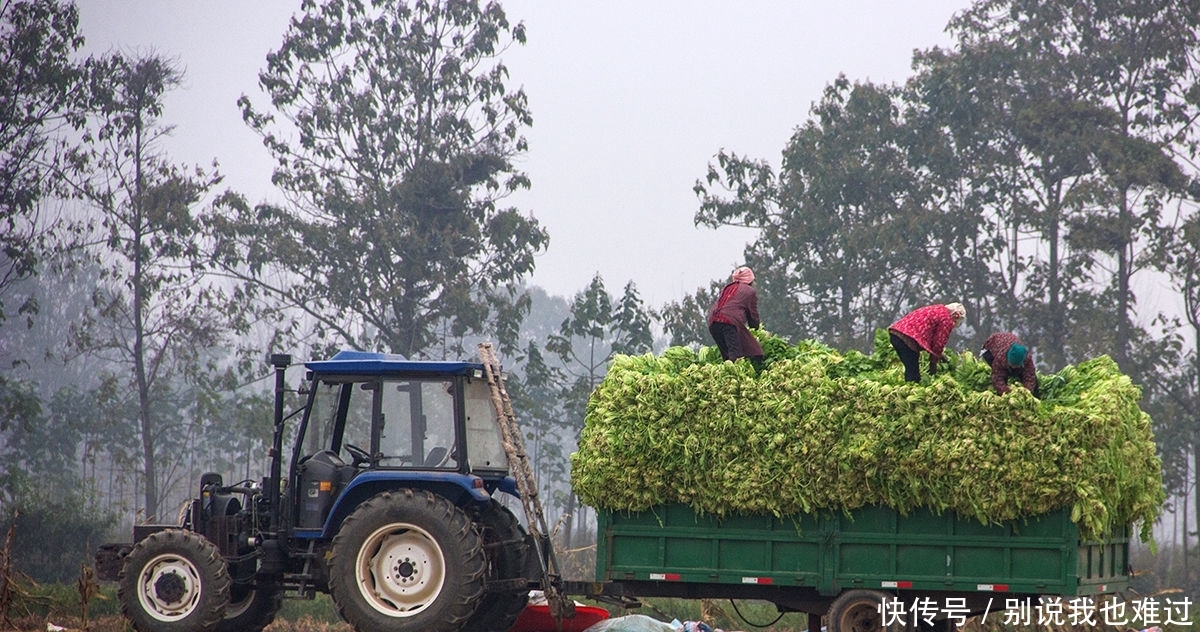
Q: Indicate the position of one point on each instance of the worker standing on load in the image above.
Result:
(731, 316)
(924, 329)
(1009, 358)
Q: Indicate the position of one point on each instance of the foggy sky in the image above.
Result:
(630, 99)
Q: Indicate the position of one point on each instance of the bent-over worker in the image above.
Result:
(924, 329)
(1009, 358)
(731, 316)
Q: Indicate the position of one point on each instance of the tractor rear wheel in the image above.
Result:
(408, 561)
(174, 580)
(251, 608)
(507, 550)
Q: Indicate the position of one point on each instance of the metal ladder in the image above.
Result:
(561, 607)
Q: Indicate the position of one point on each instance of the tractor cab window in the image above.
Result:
(485, 450)
(417, 426)
(341, 409)
(399, 423)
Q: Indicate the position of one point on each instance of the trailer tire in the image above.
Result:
(407, 560)
(174, 580)
(504, 539)
(858, 611)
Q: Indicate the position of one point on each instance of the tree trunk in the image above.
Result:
(1124, 265)
(1187, 493)
(1054, 329)
(139, 333)
(569, 521)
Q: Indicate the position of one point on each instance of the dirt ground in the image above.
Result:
(118, 624)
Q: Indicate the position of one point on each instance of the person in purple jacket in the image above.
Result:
(731, 316)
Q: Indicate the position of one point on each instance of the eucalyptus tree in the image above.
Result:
(596, 330)
(394, 136)
(1078, 102)
(1074, 121)
(152, 312)
(1024, 141)
(962, 154)
(1178, 438)
(845, 226)
(536, 393)
(1144, 56)
(685, 322)
(39, 98)
(1135, 60)
(57, 438)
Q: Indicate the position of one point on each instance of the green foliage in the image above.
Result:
(846, 226)
(816, 429)
(595, 331)
(320, 609)
(395, 139)
(18, 403)
(685, 321)
(37, 41)
(153, 288)
(50, 514)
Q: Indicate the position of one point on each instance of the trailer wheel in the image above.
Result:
(406, 561)
(504, 539)
(251, 608)
(858, 611)
(174, 581)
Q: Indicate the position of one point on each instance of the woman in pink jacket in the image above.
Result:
(924, 329)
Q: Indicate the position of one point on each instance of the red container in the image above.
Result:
(537, 618)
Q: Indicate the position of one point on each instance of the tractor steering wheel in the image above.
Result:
(359, 455)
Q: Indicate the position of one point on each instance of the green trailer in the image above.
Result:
(844, 566)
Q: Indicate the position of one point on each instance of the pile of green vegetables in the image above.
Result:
(816, 429)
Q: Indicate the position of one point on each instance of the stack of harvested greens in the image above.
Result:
(816, 429)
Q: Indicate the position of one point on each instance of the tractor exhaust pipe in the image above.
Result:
(281, 361)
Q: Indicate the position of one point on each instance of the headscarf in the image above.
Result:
(957, 311)
(1016, 355)
(743, 275)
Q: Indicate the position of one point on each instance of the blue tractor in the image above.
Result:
(389, 502)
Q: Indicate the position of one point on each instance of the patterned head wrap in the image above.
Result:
(957, 311)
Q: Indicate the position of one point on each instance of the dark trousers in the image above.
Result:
(728, 341)
(911, 359)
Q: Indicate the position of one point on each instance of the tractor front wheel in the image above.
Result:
(407, 560)
(174, 580)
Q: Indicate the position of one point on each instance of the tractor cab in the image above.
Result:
(374, 419)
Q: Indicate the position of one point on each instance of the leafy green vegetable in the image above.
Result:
(818, 429)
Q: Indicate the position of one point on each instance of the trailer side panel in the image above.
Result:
(871, 547)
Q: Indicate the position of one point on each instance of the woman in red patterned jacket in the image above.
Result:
(735, 310)
(924, 329)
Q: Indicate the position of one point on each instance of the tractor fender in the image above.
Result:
(460, 489)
